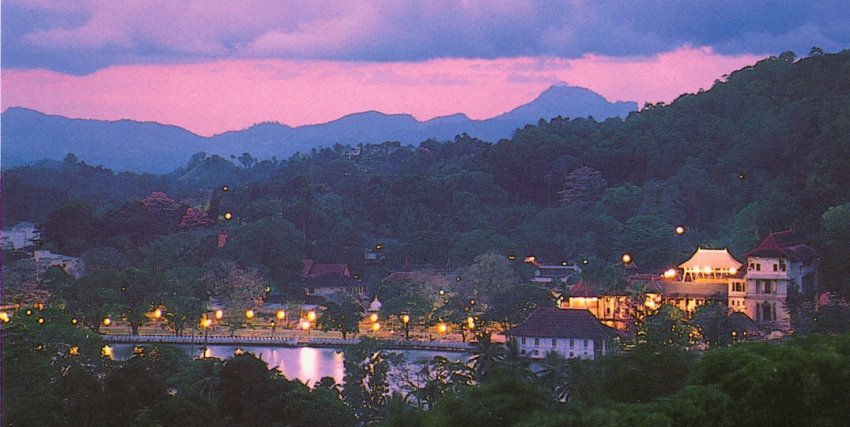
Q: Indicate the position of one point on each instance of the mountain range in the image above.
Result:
(126, 145)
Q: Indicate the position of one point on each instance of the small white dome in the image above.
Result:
(375, 305)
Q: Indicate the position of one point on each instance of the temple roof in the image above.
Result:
(714, 258)
(314, 270)
(783, 244)
(551, 322)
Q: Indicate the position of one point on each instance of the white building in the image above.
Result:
(72, 265)
(21, 235)
(573, 333)
(777, 262)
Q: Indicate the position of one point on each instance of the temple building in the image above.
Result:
(712, 276)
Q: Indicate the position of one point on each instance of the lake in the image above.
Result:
(304, 363)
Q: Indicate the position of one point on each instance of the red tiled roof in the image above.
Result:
(330, 280)
(551, 322)
(313, 270)
(783, 244)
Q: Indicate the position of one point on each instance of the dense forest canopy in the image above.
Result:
(766, 148)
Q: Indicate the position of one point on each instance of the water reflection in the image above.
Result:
(306, 364)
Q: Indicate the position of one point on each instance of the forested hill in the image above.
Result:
(766, 148)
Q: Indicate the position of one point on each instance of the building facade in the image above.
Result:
(572, 333)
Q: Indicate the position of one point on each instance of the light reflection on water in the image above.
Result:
(307, 364)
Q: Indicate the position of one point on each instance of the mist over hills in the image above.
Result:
(126, 145)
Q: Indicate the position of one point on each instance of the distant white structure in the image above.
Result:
(72, 265)
(375, 306)
(548, 273)
(21, 235)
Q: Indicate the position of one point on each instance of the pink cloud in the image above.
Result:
(214, 97)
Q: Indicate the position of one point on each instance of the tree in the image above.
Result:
(582, 187)
(669, 326)
(344, 318)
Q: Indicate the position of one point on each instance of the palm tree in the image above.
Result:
(485, 354)
(554, 376)
(515, 363)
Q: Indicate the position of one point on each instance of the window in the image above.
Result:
(758, 267)
(775, 267)
(554, 342)
(572, 342)
(585, 343)
(537, 341)
(571, 354)
(523, 340)
(782, 266)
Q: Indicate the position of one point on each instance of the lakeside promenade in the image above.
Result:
(283, 341)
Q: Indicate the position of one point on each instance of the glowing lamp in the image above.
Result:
(205, 322)
(470, 322)
(225, 188)
(627, 259)
(733, 270)
(376, 326)
(305, 325)
(74, 321)
(107, 321)
(28, 312)
(280, 314)
(311, 316)
(4, 317)
(219, 314)
(157, 314)
(669, 274)
(40, 320)
(249, 314)
(405, 318)
(442, 328)
(680, 230)
(706, 269)
(106, 351)
(74, 351)
(373, 318)
(228, 216)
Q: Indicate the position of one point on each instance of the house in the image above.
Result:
(779, 261)
(572, 333)
(552, 273)
(376, 249)
(609, 307)
(72, 265)
(330, 280)
(21, 235)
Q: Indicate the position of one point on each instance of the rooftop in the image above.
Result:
(552, 322)
(783, 244)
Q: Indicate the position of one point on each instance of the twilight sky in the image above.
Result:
(212, 66)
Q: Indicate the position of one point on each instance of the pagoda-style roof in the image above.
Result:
(716, 259)
(783, 244)
(552, 322)
(313, 270)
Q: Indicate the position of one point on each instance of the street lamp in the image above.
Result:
(219, 314)
(442, 328)
(249, 314)
(311, 316)
(627, 259)
(405, 320)
(373, 318)
(4, 317)
(205, 325)
(107, 321)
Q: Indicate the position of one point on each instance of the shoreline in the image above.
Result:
(289, 342)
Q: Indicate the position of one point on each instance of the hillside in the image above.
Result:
(766, 148)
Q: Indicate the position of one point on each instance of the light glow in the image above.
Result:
(311, 316)
(249, 314)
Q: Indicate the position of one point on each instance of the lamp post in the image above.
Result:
(405, 320)
(205, 324)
